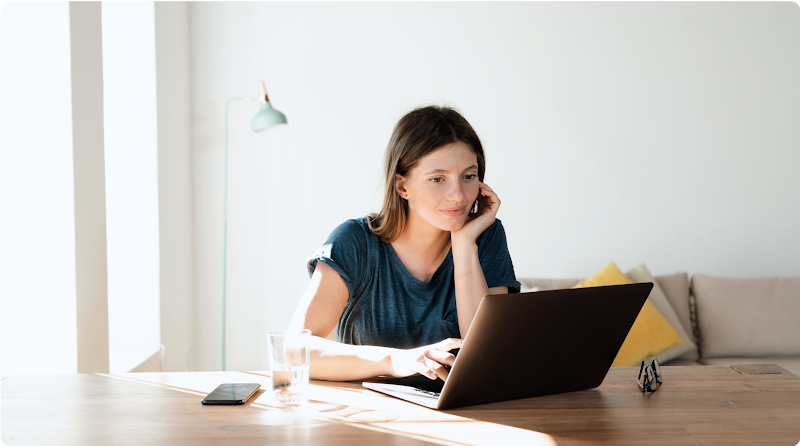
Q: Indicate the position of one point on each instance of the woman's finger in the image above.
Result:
(490, 198)
(488, 192)
(441, 357)
(424, 370)
(437, 370)
(448, 344)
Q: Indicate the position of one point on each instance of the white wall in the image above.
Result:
(54, 289)
(663, 132)
(60, 157)
(131, 164)
(38, 217)
(89, 175)
(175, 184)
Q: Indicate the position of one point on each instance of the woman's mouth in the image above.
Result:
(454, 212)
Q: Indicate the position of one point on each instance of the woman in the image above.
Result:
(401, 287)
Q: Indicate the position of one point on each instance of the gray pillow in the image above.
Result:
(748, 317)
(676, 288)
(640, 274)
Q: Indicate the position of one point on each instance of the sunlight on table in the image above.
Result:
(359, 407)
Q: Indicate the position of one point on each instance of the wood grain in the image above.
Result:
(695, 405)
(100, 410)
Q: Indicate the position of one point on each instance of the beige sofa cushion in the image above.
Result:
(789, 363)
(641, 274)
(748, 317)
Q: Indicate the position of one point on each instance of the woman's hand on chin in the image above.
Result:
(488, 205)
(428, 360)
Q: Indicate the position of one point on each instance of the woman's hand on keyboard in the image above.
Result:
(429, 360)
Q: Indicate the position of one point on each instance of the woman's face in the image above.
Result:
(442, 186)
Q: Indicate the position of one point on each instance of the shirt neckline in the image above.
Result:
(410, 277)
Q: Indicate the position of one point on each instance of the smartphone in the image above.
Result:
(231, 393)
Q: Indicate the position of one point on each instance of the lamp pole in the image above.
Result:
(225, 225)
(266, 117)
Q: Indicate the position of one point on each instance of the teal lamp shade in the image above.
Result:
(266, 116)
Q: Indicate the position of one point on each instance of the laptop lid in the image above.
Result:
(541, 343)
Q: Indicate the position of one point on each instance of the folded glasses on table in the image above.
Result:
(649, 376)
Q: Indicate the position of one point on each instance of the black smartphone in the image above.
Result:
(231, 393)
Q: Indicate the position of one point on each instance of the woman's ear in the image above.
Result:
(399, 185)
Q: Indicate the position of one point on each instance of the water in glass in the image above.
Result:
(290, 383)
(289, 355)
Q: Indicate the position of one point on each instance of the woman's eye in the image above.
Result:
(437, 179)
(470, 176)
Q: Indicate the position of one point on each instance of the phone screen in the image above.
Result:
(231, 393)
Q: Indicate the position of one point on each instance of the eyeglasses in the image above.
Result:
(652, 376)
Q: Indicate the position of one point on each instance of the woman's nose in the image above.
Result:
(456, 193)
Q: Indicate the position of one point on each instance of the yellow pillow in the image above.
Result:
(651, 333)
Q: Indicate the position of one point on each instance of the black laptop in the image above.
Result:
(530, 344)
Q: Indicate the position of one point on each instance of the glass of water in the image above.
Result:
(289, 357)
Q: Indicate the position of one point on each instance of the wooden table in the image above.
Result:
(695, 405)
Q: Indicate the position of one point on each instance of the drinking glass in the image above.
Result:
(289, 358)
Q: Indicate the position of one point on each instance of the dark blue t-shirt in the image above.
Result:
(389, 307)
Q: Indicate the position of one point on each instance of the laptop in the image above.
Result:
(523, 345)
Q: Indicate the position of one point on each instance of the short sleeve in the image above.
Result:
(345, 251)
(495, 259)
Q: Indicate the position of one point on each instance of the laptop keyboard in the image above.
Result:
(427, 392)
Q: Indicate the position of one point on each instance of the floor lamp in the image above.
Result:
(264, 119)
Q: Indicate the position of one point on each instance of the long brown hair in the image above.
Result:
(416, 135)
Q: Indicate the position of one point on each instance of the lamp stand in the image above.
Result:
(266, 117)
(225, 224)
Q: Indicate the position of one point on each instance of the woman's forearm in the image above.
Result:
(469, 281)
(334, 361)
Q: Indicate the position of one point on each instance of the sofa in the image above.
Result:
(724, 321)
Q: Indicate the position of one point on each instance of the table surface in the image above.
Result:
(695, 406)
